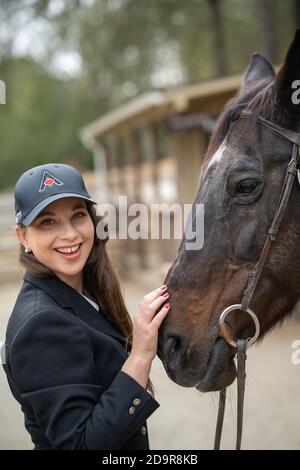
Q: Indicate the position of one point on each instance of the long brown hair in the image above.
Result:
(100, 282)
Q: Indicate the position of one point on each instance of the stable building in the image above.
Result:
(150, 149)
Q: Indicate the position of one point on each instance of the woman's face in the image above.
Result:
(61, 238)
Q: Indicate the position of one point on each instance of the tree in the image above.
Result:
(40, 121)
(126, 47)
(267, 25)
(219, 52)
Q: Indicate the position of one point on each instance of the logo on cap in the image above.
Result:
(18, 217)
(48, 181)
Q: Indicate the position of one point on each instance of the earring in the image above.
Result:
(27, 250)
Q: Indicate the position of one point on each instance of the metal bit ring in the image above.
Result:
(252, 315)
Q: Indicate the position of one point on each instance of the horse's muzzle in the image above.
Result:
(221, 369)
(189, 368)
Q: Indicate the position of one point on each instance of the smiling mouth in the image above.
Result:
(69, 252)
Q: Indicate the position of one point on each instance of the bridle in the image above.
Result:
(241, 345)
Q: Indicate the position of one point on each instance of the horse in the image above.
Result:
(241, 180)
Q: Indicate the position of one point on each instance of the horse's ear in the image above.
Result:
(258, 69)
(288, 80)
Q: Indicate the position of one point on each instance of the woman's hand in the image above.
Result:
(146, 323)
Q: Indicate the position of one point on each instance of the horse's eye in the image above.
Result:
(246, 187)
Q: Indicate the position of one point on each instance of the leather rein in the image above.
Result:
(241, 344)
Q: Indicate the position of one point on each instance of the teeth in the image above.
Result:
(69, 250)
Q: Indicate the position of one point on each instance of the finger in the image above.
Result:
(150, 310)
(157, 320)
(154, 306)
(154, 294)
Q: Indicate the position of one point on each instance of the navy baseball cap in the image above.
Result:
(44, 184)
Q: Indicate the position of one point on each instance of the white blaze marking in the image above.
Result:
(218, 155)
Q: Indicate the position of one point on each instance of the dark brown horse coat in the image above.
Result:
(240, 184)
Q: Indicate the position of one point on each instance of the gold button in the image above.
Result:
(131, 410)
(136, 401)
(144, 430)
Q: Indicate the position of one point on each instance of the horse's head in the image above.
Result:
(240, 184)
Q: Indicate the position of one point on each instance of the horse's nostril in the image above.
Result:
(170, 346)
(173, 349)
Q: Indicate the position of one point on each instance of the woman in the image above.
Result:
(74, 360)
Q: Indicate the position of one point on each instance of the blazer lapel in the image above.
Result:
(68, 297)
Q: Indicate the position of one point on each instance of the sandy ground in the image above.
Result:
(186, 418)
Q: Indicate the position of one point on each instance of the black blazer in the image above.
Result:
(63, 361)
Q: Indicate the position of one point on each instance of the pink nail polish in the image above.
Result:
(167, 306)
(166, 294)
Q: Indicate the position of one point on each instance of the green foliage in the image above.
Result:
(40, 121)
(126, 47)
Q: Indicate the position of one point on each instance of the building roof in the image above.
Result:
(208, 96)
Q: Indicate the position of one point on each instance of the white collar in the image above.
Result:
(96, 306)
